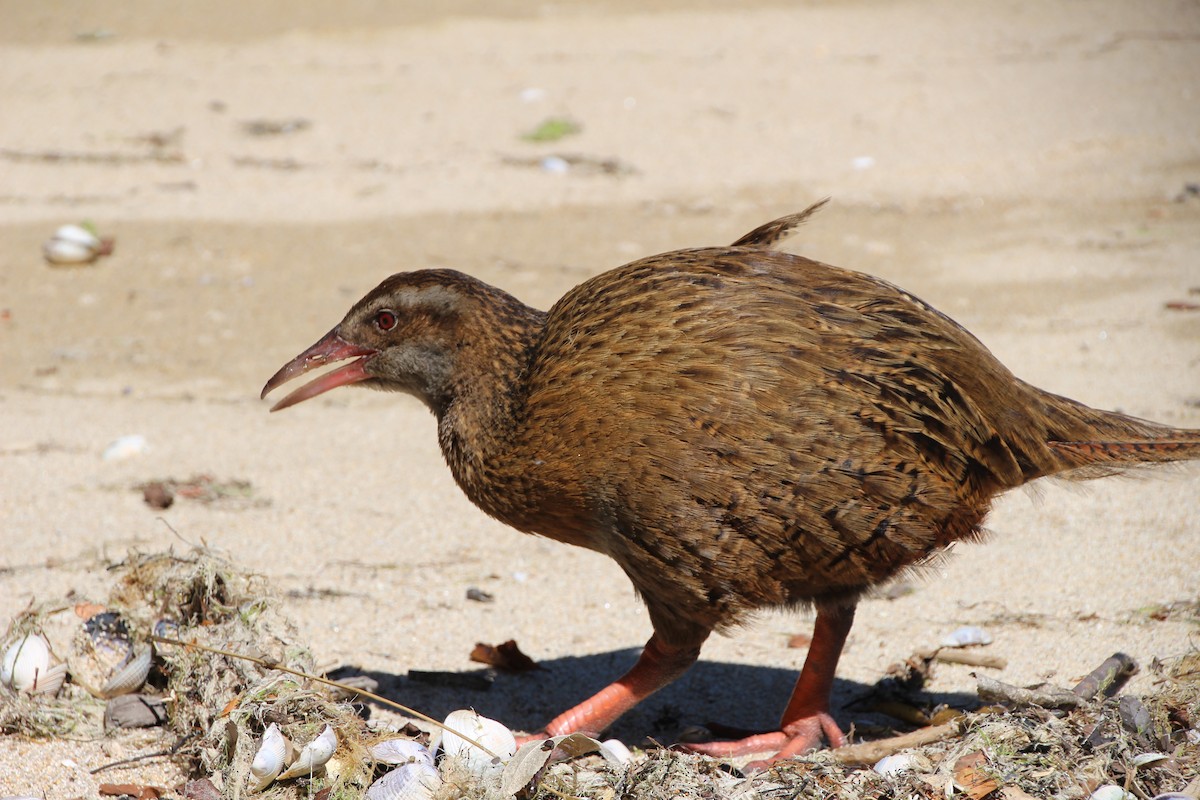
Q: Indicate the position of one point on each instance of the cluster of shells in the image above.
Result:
(104, 659)
(75, 244)
(470, 743)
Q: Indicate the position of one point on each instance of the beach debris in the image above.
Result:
(1181, 305)
(506, 657)
(28, 666)
(158, 494)
(552, 129)
(971, 775)
(135, 711)
(138, 791)
(131, 675)
(561, 163)
(1108, 678)
(616, 752)
(313, 756)
(124, 447)
(479, 595)
(75, 244)
(1110, 791)
(202, 488)
(269, 760)
(798, 640)
(966, 636)
(274, 127)
(533, 757)
(398, 752)
(902, 762)
(498, 740)
(412, 781)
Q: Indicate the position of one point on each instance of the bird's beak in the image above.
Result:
(331, 349)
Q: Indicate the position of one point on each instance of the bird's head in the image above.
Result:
(402, 336)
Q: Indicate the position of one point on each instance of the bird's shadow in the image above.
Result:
(736, 695)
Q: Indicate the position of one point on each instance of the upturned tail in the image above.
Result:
(1085, 442)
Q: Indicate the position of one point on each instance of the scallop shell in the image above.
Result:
(488, 732)
(74, 244)
(131, 676)
(400, 751)
(50, 681)
(26, 663)
(902, 762)
(270, 758)
(312, 758)
(415, 781)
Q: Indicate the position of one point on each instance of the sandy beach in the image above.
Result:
(1033, 170)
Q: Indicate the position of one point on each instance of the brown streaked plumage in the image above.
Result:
(739, 428)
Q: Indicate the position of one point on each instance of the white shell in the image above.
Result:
(77, 234)
(131, 676)
(59, 251)
(51, 680)
(1149, 758)
(26, 662)
(902, 762)
(967, 635)
(1110, 791)
(124, 447)
(415, 781)
(312, 758)
(400, 751)
(269, 760)
(615, 751)
(488, 732)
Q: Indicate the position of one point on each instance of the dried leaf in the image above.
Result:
(531, 757)
(140, 791)
(969, 774)
(506, 657)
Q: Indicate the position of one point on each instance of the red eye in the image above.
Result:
(386, 320)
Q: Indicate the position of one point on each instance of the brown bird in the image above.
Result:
(738, 427)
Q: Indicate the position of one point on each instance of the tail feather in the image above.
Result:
(1084, 442)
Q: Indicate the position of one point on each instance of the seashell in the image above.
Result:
(400, 751)
(488, 732)
(124, 447)
(415, 781)
(57, 251)
(74, 244)
(109, 637)
(1148, 758)
(312, 758)
(167, 628)
(131, 676)
(615, 751)
(77, 234)
(50, 681)
(1173, 796)
(1110, 791)
(26, 662)
(270, 758)
(902, 762)
(966, 636)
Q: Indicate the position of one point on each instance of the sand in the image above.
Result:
(1024, 167)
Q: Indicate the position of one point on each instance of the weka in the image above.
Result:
(738, 427)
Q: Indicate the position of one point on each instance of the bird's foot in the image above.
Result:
(797, 737)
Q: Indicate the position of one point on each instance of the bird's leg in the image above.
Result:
(659, 664)
(806, 720)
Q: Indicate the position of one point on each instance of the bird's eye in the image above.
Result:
(386, 320)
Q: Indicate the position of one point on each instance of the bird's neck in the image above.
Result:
(477, 423)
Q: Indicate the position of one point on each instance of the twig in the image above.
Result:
(168, 752)
(870, 752)
(1108, 678)
(971, 659)
(353, 690)
(1046, 696)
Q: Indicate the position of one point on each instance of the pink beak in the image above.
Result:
(329, 350)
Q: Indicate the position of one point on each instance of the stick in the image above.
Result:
(972, 659)
(1046, 696)
(865, 753)
(1108, 678)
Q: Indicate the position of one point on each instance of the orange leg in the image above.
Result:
(806, 719)
(658, 665)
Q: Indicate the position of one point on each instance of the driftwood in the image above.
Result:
(1108, 678)
(1104, 681)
